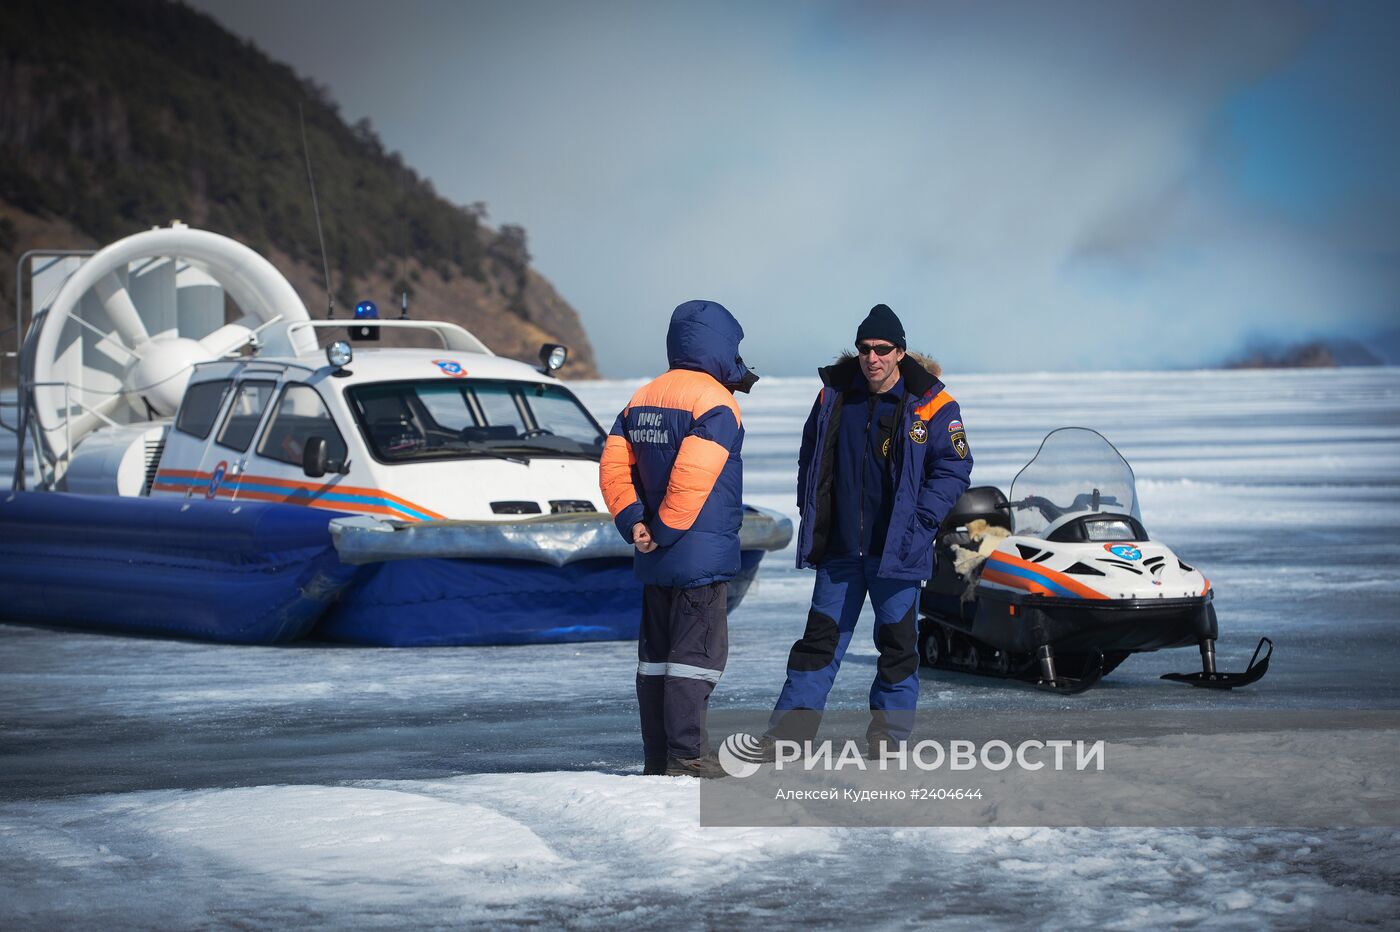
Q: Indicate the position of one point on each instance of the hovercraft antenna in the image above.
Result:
(316, 209)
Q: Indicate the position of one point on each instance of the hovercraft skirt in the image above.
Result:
(236, 573)
(439, 603)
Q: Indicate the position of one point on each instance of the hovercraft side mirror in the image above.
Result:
(316, 461)
(314, 457)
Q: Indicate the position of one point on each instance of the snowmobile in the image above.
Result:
(1057, 585)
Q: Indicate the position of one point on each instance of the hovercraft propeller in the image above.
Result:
(118, 340)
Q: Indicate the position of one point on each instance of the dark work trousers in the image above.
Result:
(680, 655)
(837, 598)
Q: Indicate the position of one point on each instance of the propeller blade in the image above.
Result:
(87, 419)
(120, 310)
(112, 351)
(226, 339)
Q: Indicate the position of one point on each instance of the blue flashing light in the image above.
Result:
(366, 310)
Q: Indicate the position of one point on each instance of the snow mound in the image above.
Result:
(338, 836)
(591, 816)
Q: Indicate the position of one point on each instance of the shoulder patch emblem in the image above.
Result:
(918, 433)
(954, 426)
(960, 443)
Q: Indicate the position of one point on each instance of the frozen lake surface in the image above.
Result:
(162, 783)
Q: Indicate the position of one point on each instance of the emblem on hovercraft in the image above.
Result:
(216, 479)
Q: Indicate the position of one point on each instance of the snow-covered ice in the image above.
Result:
(161, 783)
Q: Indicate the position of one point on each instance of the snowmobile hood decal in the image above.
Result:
(1012, 571)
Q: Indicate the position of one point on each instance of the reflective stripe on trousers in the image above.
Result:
(678, 669)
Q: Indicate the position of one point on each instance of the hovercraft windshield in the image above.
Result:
(411, 421)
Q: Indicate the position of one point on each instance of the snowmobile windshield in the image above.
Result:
(1075, 472)
(469, 418)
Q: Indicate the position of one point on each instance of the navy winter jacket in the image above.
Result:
(672, 458)
(863, 496)
(929, 467)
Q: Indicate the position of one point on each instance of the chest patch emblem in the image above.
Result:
(918, 433)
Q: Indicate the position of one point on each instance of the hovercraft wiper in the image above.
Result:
(477, 446)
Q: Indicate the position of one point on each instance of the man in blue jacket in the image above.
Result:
(884, 458)
(672, 478)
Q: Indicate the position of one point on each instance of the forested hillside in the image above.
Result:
(119, 116)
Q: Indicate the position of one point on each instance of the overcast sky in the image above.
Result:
(1033, 185)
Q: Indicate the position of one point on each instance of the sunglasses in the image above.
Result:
(884, 349)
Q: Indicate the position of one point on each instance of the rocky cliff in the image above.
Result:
(116, 117)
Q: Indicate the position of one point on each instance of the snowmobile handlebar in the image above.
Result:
(1053, 512)
(1047, 508)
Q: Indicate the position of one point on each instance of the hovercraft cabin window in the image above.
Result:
(244, 415)
(501, 404)
(300, 415)
(201, 407)
(560, 413)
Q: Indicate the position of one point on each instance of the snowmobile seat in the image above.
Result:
(943, 594)
(983, 501)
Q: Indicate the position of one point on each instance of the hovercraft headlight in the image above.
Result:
(339, 354)
(553, 356)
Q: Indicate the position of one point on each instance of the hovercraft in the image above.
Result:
(210, 462)
(1057, 585)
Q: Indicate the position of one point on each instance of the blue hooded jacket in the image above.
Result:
(672, 458)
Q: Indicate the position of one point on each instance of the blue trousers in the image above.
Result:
(837, 599)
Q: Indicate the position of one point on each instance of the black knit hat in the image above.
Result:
(881, 324)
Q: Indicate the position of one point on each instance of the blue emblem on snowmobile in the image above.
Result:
(1124, 551)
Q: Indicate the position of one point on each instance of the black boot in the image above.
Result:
(705, 768)
(878, 745)
(767, 752)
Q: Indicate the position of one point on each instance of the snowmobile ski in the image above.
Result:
(1210, 678)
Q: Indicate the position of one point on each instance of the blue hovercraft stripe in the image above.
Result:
(329, 496)
(181, 480)
(324, 496)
